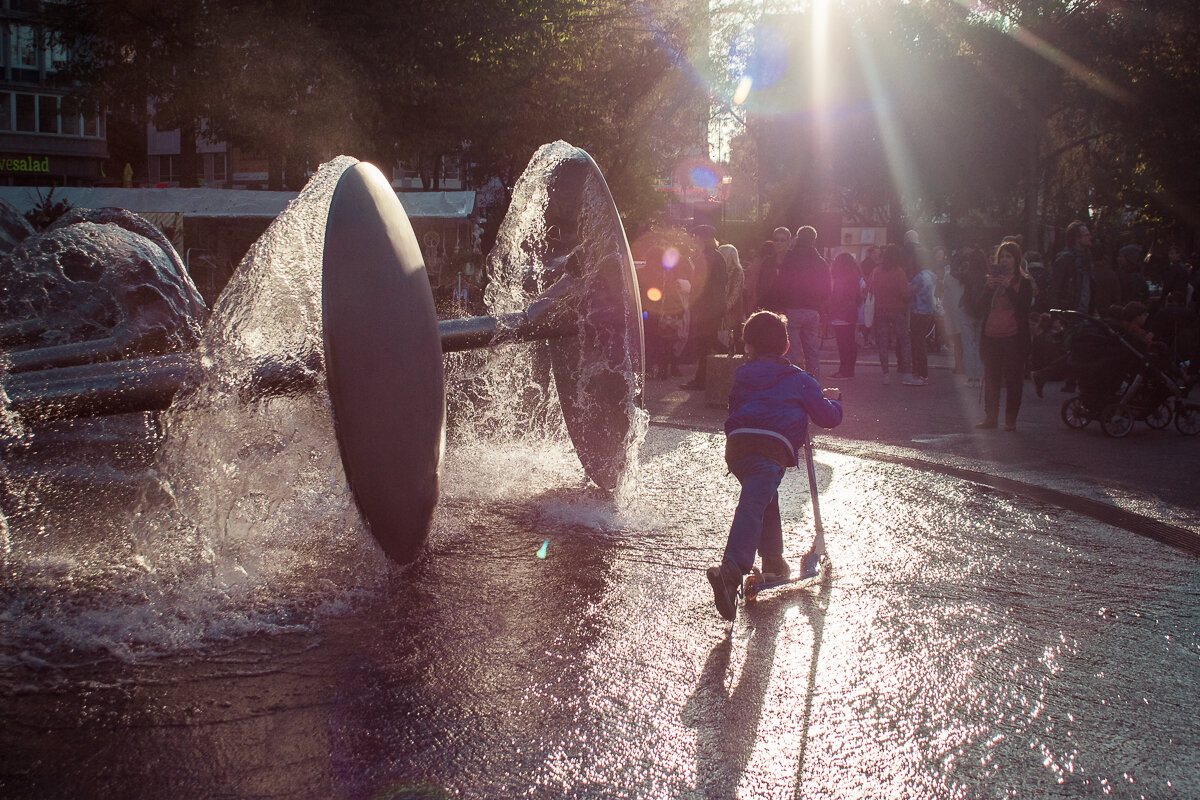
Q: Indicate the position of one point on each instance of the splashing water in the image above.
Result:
(242, 520)
(509, 390)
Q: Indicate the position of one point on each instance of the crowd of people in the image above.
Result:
(992, 308)
(986, 306)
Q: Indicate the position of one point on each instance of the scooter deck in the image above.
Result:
(755, 585)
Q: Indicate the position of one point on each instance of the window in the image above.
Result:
(450, 168)
(22, 46)
(56, 55)
(26, 113)
(90, 128)
(166, 169)
(5, 111)
(70, 124)
(220, 167)
(47, 114)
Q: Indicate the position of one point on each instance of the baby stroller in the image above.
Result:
(1121, 383)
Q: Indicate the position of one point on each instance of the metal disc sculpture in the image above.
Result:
(383, 360)
(383, 343)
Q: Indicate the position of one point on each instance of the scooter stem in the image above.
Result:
(819, 541)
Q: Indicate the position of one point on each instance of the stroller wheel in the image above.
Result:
(1160, 417)
(1116, 420)
(1187, 419)
(1074, 413)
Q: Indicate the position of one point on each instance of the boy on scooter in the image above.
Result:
(769, 408)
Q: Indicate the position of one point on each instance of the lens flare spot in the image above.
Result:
(541, 553)
(703, 177)
(654, 294)
(670, 258)
(743, 90)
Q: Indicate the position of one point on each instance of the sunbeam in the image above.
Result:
(900, 160)
(1038, 45)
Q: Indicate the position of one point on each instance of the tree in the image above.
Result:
(302, 80)
(1026, 113)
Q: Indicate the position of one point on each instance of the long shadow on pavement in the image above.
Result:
(727, 720)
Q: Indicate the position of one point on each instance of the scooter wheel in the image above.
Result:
(1160, 417)
(1075, 414)
(1187, 420)
(1116, 420)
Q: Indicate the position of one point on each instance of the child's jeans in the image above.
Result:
(756, 523)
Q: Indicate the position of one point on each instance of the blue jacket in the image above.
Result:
(773, 398)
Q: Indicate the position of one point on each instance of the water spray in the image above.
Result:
(383, 346)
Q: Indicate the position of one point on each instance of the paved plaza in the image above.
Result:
(1149, 479)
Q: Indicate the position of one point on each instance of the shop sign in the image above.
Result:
(24, 164)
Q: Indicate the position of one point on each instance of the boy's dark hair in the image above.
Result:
(766, 332)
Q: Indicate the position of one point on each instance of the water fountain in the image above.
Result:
(383, 345)
(192, 604)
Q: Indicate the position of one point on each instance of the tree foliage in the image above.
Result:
(1011, 111)
(302, 80)
(1016, 112)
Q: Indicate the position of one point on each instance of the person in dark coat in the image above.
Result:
(801, 289)
(1177, 274)
(761, 283)
(1071, 277)
(844, 303)
(708, 300)
(1169, 321)
(1129, 275)
(1105, 282)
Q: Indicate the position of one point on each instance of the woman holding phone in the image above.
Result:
(1004, 345)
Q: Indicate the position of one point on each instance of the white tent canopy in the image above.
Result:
(217, 203)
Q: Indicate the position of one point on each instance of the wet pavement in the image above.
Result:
(1152, 474)
(970, 642)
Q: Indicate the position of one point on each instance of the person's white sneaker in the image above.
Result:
(910, 380)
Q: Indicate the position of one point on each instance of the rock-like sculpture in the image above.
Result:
(14, 228)
(105, 277)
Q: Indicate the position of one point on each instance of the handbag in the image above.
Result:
(869, 310)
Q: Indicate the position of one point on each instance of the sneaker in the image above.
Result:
(691, 386)
(1039, 383)
(775, 568)
(986, 425)
(912, 380)
(726, 580)
(810, 565)
(886, 379)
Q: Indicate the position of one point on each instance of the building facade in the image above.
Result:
(41, 142)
